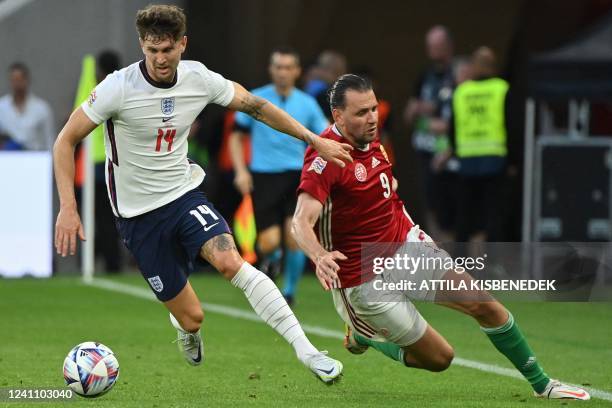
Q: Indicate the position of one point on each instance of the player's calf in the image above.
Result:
(487, 313)
(270, 305)
(186, 309)
(431, 352)
(436, 362)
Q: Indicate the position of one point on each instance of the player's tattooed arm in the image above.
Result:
(263, 111)
(253, 106)
(278, 119)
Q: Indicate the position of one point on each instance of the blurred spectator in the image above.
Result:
(428, 113)
(479, 139)
(444, 160)
(26, 121)
(330, 65)
(107, 242)
(462, 70)
(276, 165)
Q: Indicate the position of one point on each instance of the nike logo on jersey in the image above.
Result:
(208, 227)
(167, 119)
(375, 162)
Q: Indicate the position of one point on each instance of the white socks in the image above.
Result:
(270, 305)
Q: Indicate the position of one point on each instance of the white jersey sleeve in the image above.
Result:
(105, 100)
(219, 89)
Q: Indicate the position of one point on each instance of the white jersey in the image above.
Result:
(146, 125)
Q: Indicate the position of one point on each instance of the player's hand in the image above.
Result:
(327, 269)
(67, 226)
(394, 184)
(244, 182)
(332, 151)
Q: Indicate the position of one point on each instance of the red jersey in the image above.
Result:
(359, 205)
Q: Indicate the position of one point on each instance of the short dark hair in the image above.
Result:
(108, 62)
(285, 50)
(20, 66)
(159, 22)
(337, 92)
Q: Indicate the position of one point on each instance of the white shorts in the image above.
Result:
(390, 316)
(418, 245)
(395, 322)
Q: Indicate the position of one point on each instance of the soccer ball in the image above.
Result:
(91, 369)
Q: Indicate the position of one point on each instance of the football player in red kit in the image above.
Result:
(357, 205)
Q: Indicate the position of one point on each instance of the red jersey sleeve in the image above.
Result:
(318, 176)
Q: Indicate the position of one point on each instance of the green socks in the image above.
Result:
(391, 350)
(509, 340)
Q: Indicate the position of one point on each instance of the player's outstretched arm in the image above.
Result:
(68, 223)
(266, 112)
(306, 214)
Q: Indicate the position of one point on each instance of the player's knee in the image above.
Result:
(441, 360)
(267, 246)
(229, 265)
(269, 240)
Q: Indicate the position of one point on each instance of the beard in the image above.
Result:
(364, 139)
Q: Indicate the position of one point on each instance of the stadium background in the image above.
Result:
(386, 36)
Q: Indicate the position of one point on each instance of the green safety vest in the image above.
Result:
(478, 109)
(87, 83)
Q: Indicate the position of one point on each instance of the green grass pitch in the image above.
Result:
(247, 364)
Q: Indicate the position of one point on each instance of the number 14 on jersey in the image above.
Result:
(165, 135)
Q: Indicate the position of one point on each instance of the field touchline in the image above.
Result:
(144, 293)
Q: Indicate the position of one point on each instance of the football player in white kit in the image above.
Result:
(164, 220)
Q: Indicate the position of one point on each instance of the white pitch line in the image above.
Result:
(143, 293)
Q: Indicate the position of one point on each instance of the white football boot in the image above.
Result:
(557, 390)
(325, 368)
(190, 344)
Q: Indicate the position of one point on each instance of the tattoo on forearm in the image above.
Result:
(253, 105)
